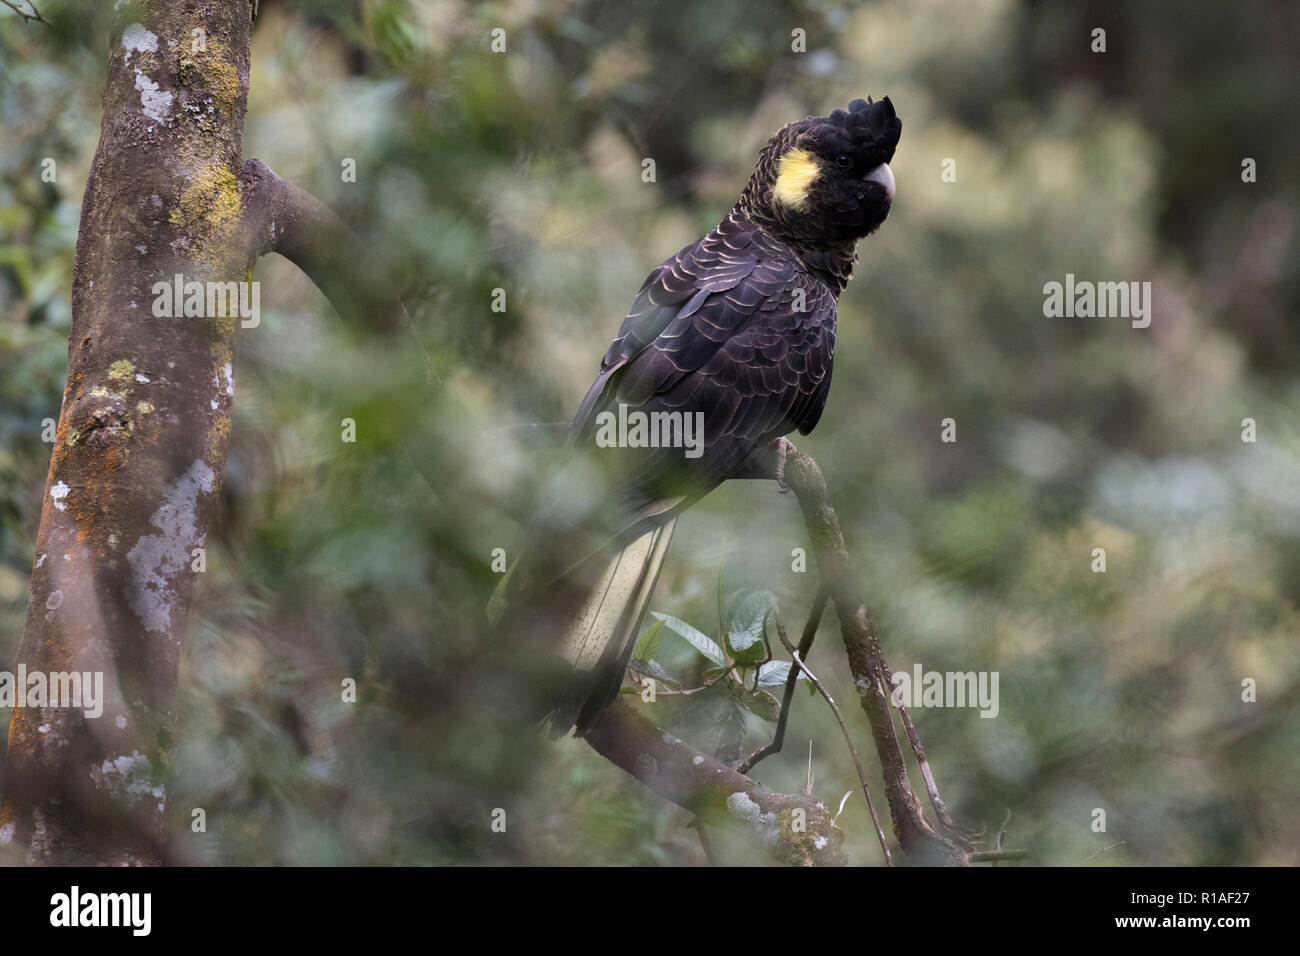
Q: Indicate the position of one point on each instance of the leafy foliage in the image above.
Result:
(522, 171)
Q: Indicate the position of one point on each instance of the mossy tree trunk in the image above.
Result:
(142, 435)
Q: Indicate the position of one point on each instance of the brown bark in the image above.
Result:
(715, 792)
(280, 217)
(145, 423)
(142, 436)
(871, 674)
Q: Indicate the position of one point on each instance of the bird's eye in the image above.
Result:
(843, 161)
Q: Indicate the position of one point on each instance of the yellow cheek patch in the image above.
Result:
(796, 171)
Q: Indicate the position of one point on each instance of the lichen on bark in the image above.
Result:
(142, 435)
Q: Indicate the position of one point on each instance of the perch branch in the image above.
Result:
(871, 674)
(713, 791)
(281, 217)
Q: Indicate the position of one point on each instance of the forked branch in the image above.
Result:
(32, 15)
(921, 841)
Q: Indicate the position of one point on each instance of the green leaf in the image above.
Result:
(745, 628)
(776, 673)
(731, 731)
(697, 639)
(762, 704)
(746, 647)
(654, 669)
(648, 643)
(396, 37)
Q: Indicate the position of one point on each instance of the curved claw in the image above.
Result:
(783, 448)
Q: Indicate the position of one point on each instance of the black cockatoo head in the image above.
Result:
(825, 180)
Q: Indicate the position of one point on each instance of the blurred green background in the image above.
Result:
(522, 171)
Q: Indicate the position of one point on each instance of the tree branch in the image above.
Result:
(844, 731)
(281, 217)
(871, 674)
(787, 697)
(34, 16)
(994, 856)
(713, 791)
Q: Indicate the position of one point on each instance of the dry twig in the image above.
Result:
(34, 16)
(839, 719)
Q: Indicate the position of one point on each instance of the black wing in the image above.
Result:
(718, 329)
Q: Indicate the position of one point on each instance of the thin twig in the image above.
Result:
(931, 788)
(839, 718)
(791, 681)
(35, 15)
(705, 844)
(992, 856)
(998, 854)
(997, 843)
(717, 594)
(1105, 850)
(768, 656)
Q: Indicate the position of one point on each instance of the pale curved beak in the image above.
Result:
(883, 176)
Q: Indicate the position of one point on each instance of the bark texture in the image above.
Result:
(920, 840)
(793, 828)
(142, 435)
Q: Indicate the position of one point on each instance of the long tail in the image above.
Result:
(604, 631)
(587, 620)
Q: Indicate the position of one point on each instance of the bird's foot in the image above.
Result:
(783, 448)
(767, 464)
